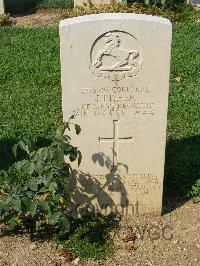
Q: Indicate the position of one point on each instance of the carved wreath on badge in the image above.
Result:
(115, 55)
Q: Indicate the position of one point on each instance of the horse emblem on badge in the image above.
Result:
(116, 55)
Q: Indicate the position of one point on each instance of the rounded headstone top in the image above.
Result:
(114, 16)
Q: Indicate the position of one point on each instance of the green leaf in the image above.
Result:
(27, 202)
(19, 165)
(8, 199)
(11, 224)
(52, 186)
(73, 154)
(59, 132)
(30, 168)
(163, 2)
(1, 209)
(67, 126)
(39, 167)
(23, 146)
(30, 194)
(65, 224)
(79, 158)
(50, 155)
(66, 147)
(43, 153)
(78, 129)
(33, 208)
(43, 179)
(44, 205)
(43, 189)
(66, 138)
(14, 150)
(34, 156)
(55, 218)
(3, 176)
(4, 206)
(38, 224)
(59, 155)
(16, 204)
(63, 199)
(32, 184)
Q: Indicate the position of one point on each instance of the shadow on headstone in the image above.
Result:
(84, 189)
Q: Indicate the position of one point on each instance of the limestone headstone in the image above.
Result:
(115, 80)
(1, 7)
(88, 3)
(195, 3)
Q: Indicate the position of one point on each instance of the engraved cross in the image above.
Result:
(115, 140)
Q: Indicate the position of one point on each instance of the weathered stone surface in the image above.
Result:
(88, 3)
(195, 3)
(115, 79)
(1, 7)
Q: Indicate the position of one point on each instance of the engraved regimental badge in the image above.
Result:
(116, 55)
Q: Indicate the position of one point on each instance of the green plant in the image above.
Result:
(39, 192)
(162, 3)
(174, 12)
(90, 237)
(195, 190)
(167, 12)
(55, 3)
(155, 2)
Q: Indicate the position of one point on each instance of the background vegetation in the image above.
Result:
(14, 6)
(180, 13)
(22, 5)
(55, 3)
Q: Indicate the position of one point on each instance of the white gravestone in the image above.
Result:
(195, 3)
(1, 7)
(89, 3)
(115, 80)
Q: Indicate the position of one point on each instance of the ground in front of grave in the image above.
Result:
(172, 239)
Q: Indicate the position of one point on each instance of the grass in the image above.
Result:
(184, 94)
(30, 95)
(183, 146)
(30, 92)
(55, 3)
(90, 238)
